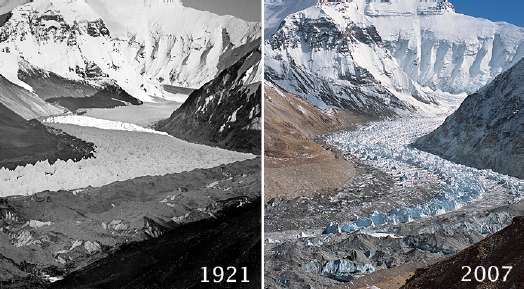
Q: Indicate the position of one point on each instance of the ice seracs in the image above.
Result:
(388, 144)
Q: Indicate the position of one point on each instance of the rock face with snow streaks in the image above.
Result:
(386, 58)
(226, 111)
(487, 130)
(136, 46)
(323, 61)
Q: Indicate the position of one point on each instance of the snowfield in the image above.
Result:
(386, 145)
(123, 151)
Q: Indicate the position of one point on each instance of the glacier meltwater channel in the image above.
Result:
(387, 146)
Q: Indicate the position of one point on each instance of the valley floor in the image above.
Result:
(403, 206)
(140, 185)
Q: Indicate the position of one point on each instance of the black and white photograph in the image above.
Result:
(130, 144)
(301, 144)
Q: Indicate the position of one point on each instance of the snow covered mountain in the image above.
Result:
(399, 56)
(487, 130)
(17, 95)
(135, 47)
(226, 111)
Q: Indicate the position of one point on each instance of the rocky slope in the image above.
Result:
(23, 102)
(27, 142)
(381, 57)
(73, 94)
(51, 234)
(323, 61)
(175, 259)
(291, 128)
(487, 130)
(310, 258)
(225, 111)
(136, 45)
(504, 248)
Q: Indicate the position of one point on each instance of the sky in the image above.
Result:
(249, 10)
(511, 11)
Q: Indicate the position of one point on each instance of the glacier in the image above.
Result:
(123, 151)
(387, 146)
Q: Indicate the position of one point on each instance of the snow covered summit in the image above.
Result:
(137, 45)
(417, 51)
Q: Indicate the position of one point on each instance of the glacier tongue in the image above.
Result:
(387, 145)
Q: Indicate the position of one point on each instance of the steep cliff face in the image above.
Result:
(225, 111)
(324, 56)
(445, 50)
(487, 130)
(408, 53)
(137, 45)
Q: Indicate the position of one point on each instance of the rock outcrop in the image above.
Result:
(504, 248)
(225, 111)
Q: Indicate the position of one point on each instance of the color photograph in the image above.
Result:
(393, 144)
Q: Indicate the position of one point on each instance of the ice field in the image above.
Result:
(123, 151)
(386, 145)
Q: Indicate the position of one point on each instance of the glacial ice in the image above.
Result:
(340, 267)
(123, 151)
(386, 145)
(333, 228)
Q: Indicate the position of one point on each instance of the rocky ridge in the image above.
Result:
(226, 111)
(491, 251)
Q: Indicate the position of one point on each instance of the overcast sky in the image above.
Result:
(245, 9)
(511, 11)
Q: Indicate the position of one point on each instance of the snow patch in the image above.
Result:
(9, 69)
(82, 120)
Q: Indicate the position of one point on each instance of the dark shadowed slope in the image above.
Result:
(487, 130)
(225, 111)
(174, 260)
(504, 248)
(23, 142)
(191, 224)
(74, 94)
